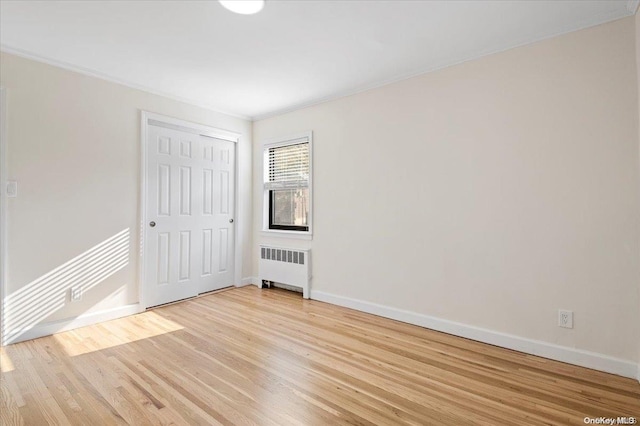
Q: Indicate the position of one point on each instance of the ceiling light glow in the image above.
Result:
(243, 7)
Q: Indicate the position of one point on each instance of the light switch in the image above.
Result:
(12, 189)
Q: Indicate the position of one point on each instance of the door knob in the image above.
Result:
(152, 224)
(230, 220)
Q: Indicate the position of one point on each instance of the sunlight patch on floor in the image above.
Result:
(115, 333)
(6, 364)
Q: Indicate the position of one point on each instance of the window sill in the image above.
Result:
(287, 234)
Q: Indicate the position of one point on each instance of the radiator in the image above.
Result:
(286, 266)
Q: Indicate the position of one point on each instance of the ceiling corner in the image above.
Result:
(632, 6)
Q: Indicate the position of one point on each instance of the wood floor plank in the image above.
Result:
(349, 374)
(10, 412)
(267, 357)
(398, 373)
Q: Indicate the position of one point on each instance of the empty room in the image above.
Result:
(408, 212)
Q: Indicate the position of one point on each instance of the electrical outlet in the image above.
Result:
(565, 318)
(12, 189)
(76, 294)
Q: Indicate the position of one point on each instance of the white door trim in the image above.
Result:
(3, 206)
(177, 124)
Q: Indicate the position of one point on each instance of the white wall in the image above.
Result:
(637, 41)
(74, 148)
(490, 193)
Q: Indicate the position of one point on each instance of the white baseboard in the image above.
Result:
(249, 281)
(573, 356)
(49, 328)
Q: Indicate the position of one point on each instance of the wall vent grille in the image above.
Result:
(286, 266)
(282, 255)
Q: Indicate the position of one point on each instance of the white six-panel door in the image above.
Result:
(189, 238)
(218, 176)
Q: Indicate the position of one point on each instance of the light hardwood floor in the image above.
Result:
(268, 357)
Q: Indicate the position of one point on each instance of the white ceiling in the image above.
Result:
(292, 54)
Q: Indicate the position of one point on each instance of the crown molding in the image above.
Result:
(629, 10)
(453, 61)
(96, 74)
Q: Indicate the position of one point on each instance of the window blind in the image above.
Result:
(288, 166)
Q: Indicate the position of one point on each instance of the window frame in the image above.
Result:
(305, 137)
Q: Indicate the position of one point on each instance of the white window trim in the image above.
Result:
(277, 142)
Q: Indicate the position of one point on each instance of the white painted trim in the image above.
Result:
(239, 228)
(3, 205)
(188, 126)
(287, 140)
(202, 129)
(144, 131)
(97, 74)
(294, 235)
(573, 356)
(49, 328)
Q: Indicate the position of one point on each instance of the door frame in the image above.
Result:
(3, 207)
(178, 124)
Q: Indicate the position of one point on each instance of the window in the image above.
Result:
(287, 185)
